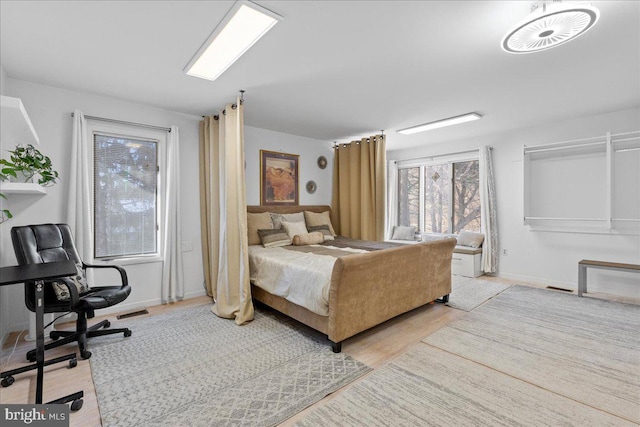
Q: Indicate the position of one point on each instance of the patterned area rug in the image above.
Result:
(468, 293)
(527, 357)
(189, 367)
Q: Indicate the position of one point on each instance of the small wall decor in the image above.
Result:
(278, 178)
(322, 162)
(311, 187)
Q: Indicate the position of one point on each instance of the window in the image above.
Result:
(440, 197)
(125, 195)
(409, 196)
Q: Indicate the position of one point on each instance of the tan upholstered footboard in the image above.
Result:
(368, 289)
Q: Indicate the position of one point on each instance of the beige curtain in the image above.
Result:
(359, 183)
(223, 214)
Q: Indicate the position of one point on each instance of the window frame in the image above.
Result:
(130, 132)
(423, 164)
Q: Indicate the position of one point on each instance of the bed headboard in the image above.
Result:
(285, 209)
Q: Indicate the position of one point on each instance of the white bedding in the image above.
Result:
(299, 277)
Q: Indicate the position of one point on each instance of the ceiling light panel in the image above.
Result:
(441, 123)
(244, 25)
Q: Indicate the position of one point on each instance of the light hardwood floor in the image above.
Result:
(374, 347)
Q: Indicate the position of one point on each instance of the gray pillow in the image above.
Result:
(403, 233)
(277, 219)
(432, 237)
(324, 229)
(274, 237)
(470, 239)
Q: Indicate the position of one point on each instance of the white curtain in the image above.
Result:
(489, 211)
(79, 204)
(392, 197)
(172, 271)
(223, 210)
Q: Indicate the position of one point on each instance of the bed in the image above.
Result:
(368, 288)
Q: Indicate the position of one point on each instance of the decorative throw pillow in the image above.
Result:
(277, 219)
(324, 229)
(272, 237)
(294, 228)
(312, 238)
(470, 239)
(403, 233)
(255, 222)
(79, 281)
(322, 218)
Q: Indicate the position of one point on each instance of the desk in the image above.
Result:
(38, 273)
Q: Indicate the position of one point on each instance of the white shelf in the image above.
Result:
(16, 125)
(21, 188)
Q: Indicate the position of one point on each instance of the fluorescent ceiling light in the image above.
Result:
(550, 24)
(245, 23)
(441, 123)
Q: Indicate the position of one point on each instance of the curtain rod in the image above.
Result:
(337, 145)
(122, 122)
(476, 150)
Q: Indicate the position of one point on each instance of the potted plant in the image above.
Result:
(25, 162)
(23, 165)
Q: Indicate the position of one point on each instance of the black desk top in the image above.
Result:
(31, 272)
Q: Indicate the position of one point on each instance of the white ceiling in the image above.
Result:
(333, 70)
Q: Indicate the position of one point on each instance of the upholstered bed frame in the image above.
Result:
(370, 288)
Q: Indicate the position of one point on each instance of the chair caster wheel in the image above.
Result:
(31, 357)
(127, 334)
(54, 337)
(76, 405)
(106, 325)
(7, 381)
(73, 363)
(85, 354)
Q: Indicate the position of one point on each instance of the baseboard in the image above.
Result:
(110, 310)
(10, 329)
(146, 303)
(538, 281)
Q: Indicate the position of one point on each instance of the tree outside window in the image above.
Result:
(451, 197)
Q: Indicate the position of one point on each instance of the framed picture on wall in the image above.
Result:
(278, 178)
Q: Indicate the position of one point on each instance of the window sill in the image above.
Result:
(129, 260)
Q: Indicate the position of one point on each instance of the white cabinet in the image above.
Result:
(466, 262)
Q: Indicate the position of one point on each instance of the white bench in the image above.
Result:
(465, 261)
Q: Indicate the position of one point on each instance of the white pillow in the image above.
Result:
(470, 239)
(294, 228)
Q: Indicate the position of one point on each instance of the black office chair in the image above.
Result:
(34, 244)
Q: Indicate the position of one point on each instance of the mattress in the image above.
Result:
(299, 274)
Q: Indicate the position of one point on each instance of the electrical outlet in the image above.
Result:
(505, 252)
(187, 246)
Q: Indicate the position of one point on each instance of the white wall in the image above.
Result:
(4, 291)
(549, 258)
(3, 80)
(49, 109)
(256, 139)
